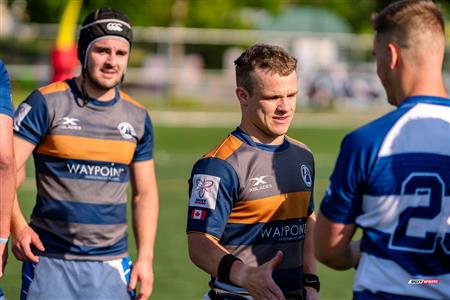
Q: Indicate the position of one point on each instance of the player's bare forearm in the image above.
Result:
(145, 207)
(206, 253)
(333, 244)
(7, 174)
(22, 150)
(145, 218)
(7, 192)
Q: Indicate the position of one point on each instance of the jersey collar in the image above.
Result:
(241, 135)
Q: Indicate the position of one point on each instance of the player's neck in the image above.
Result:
(425, 87)
(260, 137)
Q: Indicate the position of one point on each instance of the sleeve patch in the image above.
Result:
(204, 191)
(20, 114)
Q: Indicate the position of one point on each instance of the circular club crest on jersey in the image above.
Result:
(306, 175)
(126, 130)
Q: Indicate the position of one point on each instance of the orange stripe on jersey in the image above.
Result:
(226, 148)
(279, 207)
(294, 141)
(128, 98)
(74, 147)
(54, 87)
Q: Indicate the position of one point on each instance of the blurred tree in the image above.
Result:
(192, 13)
(211, 13)
(359, 12)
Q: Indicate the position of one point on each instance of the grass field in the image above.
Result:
(176, 149)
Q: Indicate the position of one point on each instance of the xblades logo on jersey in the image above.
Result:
(259, 183)
(68, 123)
(258, 180)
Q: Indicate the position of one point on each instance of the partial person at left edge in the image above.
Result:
(88, 139)
(7, 166)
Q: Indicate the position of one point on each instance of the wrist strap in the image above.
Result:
(311, 280)
(3, 240)
(223, 272)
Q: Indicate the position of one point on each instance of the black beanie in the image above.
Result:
(99, 23)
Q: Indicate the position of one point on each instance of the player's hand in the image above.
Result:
(259, 282)
(311, 293)
(142, 272)
(21, 244)
(3, 258)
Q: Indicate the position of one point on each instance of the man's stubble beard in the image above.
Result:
(100, 86)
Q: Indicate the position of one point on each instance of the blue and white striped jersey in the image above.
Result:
(6, 106)
(392, 179)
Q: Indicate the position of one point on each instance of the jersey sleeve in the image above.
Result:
(213, 190)
(31, 118)
(6, 107)
(144, 148)
(343, 197)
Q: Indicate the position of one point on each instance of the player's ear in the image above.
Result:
(394, 55)
(242, 95)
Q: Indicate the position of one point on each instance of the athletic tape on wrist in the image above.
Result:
(223, 272)
(3, 240)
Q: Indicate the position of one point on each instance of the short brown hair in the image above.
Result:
(401, 18)
(268, 57)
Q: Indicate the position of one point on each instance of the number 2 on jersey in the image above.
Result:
(425, 218)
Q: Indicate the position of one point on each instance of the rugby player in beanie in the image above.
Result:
(88, 139)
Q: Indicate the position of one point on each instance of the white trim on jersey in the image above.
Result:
(416, 124)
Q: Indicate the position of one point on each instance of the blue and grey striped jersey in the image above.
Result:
(82, 159)
(255, 199)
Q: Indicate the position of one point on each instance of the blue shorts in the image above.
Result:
(54, 278)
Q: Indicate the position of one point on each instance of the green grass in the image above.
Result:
(176, 149)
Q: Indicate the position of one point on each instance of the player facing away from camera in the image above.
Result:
(88, 139)
(250, 215)
(392, 176)
(7, 166)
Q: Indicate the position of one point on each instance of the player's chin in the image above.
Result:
(280, 128)
(276, 132)
(109, 84)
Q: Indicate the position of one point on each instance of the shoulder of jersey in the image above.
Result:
(298, 143)
(54, 87)
(130, 99)
(224, 149)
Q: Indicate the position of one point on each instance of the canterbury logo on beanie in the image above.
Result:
(102, 22)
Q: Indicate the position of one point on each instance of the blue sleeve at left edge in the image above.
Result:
(6, 106)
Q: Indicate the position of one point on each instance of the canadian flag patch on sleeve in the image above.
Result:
(198, 214)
